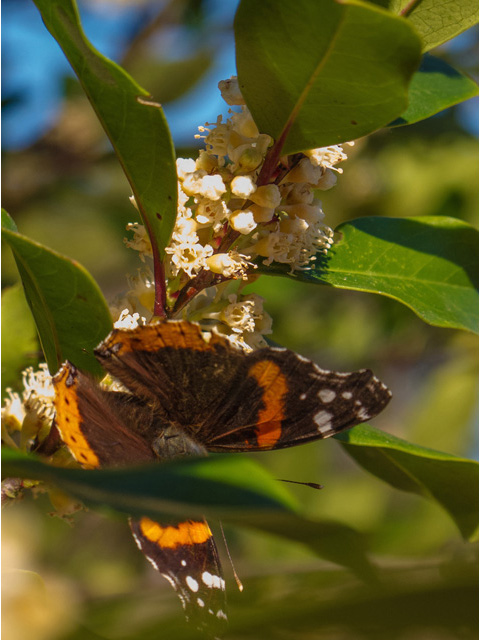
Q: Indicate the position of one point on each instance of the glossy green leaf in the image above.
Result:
(451, 481)
(67, 305)
(233, 488)
(134, 123)
(19, 337)
(324, 72)
(436, 22)
(428, 263)
(435, 87)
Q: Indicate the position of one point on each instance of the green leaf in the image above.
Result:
(428, 263)
(324, 72)
(233, 488)
(19, 337)
(135, 125)
(68, 307)
(451, 481)
(436, 22)
(435, 87)
(8, 222)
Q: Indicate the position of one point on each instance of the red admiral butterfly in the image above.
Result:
(189, 396)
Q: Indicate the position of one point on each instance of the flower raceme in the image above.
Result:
(227, 221)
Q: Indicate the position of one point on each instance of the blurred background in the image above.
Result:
(64, 188)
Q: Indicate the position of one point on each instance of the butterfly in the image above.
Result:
(188, 394)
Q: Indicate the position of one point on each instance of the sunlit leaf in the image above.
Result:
(19, 337)
(435, 87)
(135, 124)
(324, 72)
(436, 22)
(428, 263)
(451, 481)
(67, 305)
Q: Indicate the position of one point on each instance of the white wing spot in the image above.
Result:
(192, 583)
(183, 563)
(327, 395)
(200, 602)
(221, 614)
(348, 395)
(303, 396)
(302, 358)
(363, 414)
(212, 582)
(323, 420)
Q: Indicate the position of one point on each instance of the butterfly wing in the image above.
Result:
(103, 429)
(186, 555)
(233, 401)
(294, 401)
(96, 424)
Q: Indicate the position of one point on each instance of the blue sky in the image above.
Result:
(34, 68)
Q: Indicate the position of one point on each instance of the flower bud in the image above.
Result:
(309, 212)
(243, 221)
(304, 171)
(231, 92)
(249, 159)
(261, 214)
(267, 196)
(327, 181)
(243, 186)
(218, 262)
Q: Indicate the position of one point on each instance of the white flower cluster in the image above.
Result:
(30, 411)
(218, 192)
(226, 221)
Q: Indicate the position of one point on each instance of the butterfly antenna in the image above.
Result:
(312, 485)
(235, 575)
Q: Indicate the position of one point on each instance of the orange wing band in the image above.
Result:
(274, 384)
(185, 533)
(68, 418)
(157, 336)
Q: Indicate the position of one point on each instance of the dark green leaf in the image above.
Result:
(324, 72)
(435, 87)
(233, 488)
(19, 337)
(135, 125)
(428, 263)
(436, 22)
(451, 481)
(68, 307)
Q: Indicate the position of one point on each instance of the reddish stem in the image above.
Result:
(160, 286)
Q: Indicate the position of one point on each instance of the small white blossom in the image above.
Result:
(129, 321)
(327, 157)
(211, 212)
(34, 409)
(13, 411)
(140, 241)
(190, 258)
